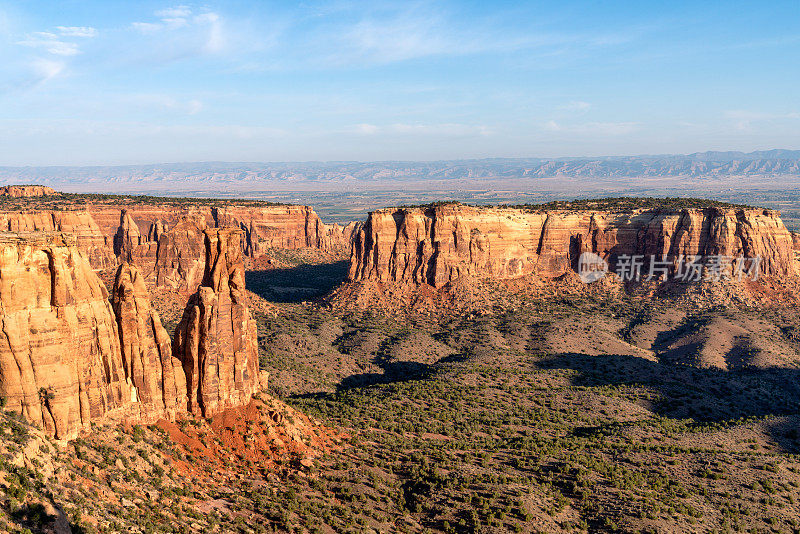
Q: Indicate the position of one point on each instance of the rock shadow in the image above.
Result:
(702, 395)
(392, 372)
(296, 284)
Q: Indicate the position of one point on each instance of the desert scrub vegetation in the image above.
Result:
(468, 423)
(501, 434)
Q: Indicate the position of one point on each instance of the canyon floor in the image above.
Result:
(609, 413)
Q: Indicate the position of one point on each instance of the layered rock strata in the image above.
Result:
(436, 245)
(89, 238)
(216, 338)
(69, 357)
(109, 234)
(60, 357)
(263, 227)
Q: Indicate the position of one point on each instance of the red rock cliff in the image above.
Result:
(60, 358)
(436, 245)
(147, 350)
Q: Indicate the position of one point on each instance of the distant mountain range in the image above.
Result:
(251, 176)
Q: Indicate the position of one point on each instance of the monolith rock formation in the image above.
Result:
(147, 349)
(216, 338)
(69, 357)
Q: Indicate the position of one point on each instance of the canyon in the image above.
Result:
(171, 413)
(437, 245)
(121, 363)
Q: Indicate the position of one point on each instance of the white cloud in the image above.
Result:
(174, 12)
(367, 129)
(169, 19)
(215, 40)
(76, 31)
(50, 42)
(179, 28)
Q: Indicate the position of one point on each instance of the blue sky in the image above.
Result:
(105, 82)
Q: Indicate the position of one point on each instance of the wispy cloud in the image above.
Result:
(421, 29)
(50, 43)
(174, 12)
(76, 31)
(46, 69)
(180, 32)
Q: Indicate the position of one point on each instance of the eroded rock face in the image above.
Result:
(147, 349)
(179, 256)
(69, 357)
(60, 359)
(88, 236)
(216, 339)
(281, 227)
(437, 245)
(157, 229)
(19, 191)
(171, 255)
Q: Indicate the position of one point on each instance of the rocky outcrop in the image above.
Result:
(24, 191)
(157, 229)
(69, 357)
(60, 359)
(127, 238)
(216, 339)
(438, 244)
(88, 236)
(179, 259)
(147, 350)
